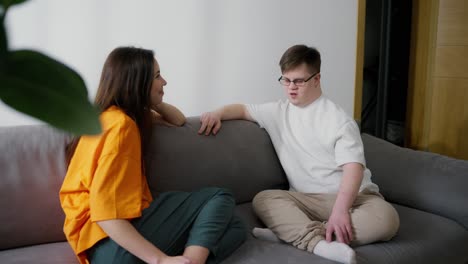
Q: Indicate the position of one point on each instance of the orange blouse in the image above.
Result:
(104, 181)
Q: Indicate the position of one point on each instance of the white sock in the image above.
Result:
(335, 251)
(265, 234)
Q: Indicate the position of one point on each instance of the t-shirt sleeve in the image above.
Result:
(348, 146)
(117, 186)
(263, 114)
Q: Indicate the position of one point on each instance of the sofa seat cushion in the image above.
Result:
(51, 253)
(423, 238)
(428, 181)
(255, 251)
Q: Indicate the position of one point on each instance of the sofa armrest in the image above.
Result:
(32, 168)
(427, 181)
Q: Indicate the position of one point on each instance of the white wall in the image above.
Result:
(211, 52)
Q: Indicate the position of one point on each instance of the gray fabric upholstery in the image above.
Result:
(240, 157)
(260, 252)
(428, 191)
(423, 180)
(32, 166)
(423, 238)
(51, 253)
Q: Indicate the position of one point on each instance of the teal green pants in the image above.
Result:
(176, 220)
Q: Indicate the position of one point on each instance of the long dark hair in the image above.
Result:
(126, 81)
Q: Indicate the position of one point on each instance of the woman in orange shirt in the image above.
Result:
(111, 216)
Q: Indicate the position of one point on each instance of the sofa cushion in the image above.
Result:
(52, 253)
(422, 238)
(33, 167)
(240, 157)
(255, 251)
(423, 180)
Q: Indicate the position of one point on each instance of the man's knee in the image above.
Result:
(264, 197)
(391, 222)
(380, 223)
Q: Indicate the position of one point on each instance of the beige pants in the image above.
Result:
(299, 218)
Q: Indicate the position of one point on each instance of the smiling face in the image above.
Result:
(157, 91)
(305, 94)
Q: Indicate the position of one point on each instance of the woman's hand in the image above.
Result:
(174, 260)
(125, 235)
(156, 118)
(170, 114)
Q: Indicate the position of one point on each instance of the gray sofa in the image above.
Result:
(428, 190)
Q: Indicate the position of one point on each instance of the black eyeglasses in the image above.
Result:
(297, 82)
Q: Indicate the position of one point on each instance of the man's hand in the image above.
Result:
(339, 224)
(210, 123)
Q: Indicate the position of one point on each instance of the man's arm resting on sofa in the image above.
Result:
(211, 121)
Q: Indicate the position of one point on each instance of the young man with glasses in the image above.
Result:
(332, 203)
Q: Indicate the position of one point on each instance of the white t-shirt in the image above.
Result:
(312, 143)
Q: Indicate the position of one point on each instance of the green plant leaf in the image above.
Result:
(3, 37)
(44, 88)
(4, 5)
(3, 40)
(7, 3)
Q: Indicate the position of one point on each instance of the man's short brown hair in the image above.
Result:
(298, 54)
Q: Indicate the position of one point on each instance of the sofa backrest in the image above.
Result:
(32, 168)
(240, 157)
(422, 180)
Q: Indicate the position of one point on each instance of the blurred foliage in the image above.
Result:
(39, 86)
